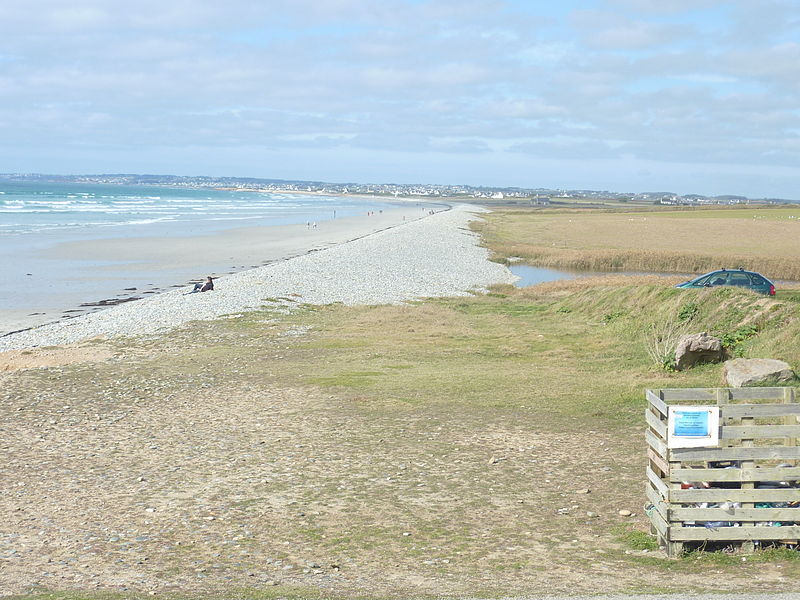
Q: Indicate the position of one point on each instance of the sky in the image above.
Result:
(689, 96)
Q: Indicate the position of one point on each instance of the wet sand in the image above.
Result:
(110, 268)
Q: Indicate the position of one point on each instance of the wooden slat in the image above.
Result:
(656, 500)
(657, 483)
(784, 474)
(654, 422)
(759, 453)
(725, 495)
(705, 395)
(657, 444)
(756, 393)
(687, 534)
(789, 399)
(658, 460)
(657, 403)
(736, 411)
(748, 442)
(784, 515)
(659, 523)
(758, 432)
(709, 395)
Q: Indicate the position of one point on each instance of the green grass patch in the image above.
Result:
(355, 379)
(636, 539)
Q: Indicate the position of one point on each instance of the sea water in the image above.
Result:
(95, 210)
(36, 217)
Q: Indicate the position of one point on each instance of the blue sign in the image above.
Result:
(693, 427)
(691, 423)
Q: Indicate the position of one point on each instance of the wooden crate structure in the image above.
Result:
(742, 491)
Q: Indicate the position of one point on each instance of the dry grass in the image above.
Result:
(765, 240)
(565, 287)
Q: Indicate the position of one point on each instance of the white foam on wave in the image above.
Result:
(46, 210)
(148, 221)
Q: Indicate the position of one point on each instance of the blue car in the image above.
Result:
(735, 277)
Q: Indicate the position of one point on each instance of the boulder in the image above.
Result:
(698, 348)
(741, 372)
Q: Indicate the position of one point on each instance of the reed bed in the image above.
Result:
(763, 240)
(647, 260)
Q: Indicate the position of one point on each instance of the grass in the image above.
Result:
(635, 539)
(424, 448)
(765, 239)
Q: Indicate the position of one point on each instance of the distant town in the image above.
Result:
(464, 193)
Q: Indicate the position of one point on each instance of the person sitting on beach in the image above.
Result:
(206, 286)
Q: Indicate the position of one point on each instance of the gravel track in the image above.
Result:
(433, 256)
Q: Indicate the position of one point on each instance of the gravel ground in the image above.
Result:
(687, 596)
(434, 256)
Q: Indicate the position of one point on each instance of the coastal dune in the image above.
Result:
(434, 256)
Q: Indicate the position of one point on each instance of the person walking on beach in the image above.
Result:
(206, 286)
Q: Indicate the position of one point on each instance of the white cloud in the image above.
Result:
(609, 31)
(463, 77)
(664, 6)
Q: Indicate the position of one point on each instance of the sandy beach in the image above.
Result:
(388, 257)
(156, 264)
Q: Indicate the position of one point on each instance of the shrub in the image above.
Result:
(733, 340)
(661, 340)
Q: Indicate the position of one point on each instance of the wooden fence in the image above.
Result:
(745, 490)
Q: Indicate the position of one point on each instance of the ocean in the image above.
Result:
(38, 219)
(95, 210)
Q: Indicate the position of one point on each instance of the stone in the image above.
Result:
(625, 513)
(583, 491)
(741, 372)
(698, 348)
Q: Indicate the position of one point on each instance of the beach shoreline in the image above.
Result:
(129, 269)
(435, 255)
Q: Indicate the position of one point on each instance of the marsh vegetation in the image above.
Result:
(764, 239)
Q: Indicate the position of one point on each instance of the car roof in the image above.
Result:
(733, 271)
